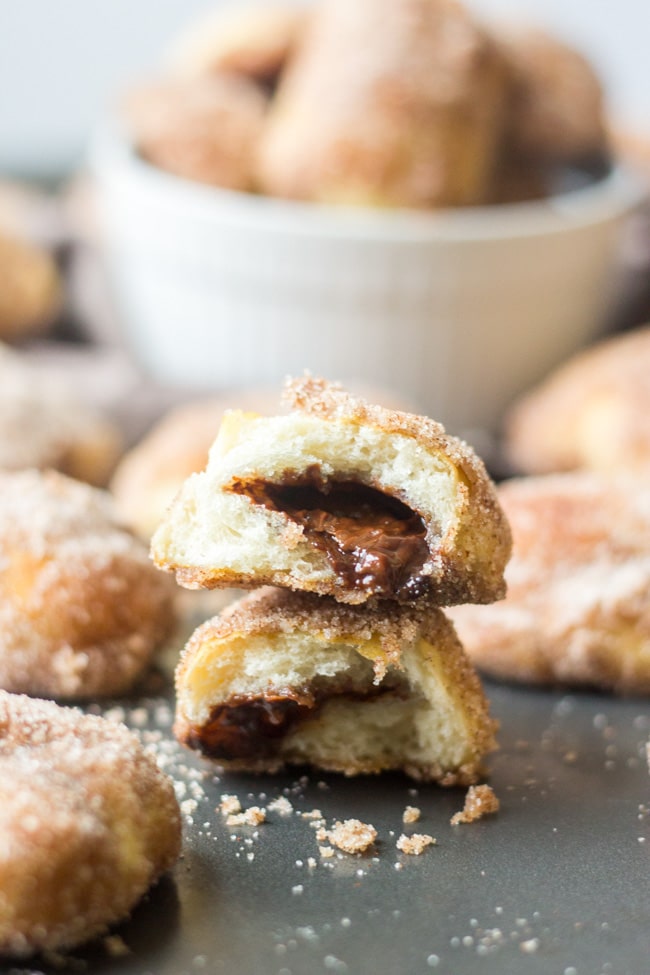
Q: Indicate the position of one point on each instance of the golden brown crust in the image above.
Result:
(88, 823)
(204, 129)
(385, 630)
(81, 608)
(576, 610)
(593, 412)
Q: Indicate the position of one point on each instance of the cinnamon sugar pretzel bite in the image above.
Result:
(394, 103)
(203, 129)
(592, 412)
(43, 424)
(81, 608)
(87, 824)
(31, 293)
(577, 609)
(339, 498)
(286, 678)
(255, 40)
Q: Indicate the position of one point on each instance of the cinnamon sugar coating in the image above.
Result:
(577, 608)
(42, 424)
(87, 824)
(254, 40)
(203, 129)
(410, 117)
(557, 110)
(593, 412)
(81, 608)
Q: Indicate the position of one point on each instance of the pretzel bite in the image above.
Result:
(255, 40)
(386, 103)
(87, 820)
(593, 412)
(557, 110)
(340, 498)
(577, 609)
(42, 424)
(81, 608)
(30, 289)
(204, 129)
(287, 678)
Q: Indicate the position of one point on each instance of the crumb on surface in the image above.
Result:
(411, 814)
(326, 852)
(480, 801)
(252, 816)
(281, 805)
(351, 835)
(115, 946)
(416, 844)
(229, 805)
(312, 814)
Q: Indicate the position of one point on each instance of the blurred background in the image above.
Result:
(61, 63)
(181, 289)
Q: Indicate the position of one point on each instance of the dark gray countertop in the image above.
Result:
(557, 882)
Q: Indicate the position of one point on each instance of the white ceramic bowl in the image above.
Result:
(458, 311)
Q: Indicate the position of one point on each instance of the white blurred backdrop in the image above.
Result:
(62, 61)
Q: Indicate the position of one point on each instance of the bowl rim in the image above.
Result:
(112, 157)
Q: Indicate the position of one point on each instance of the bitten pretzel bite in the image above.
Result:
(386, 103)
(87, 824)
(292, 678)
(340, 498)
(42, 424)
(577, 609)
(81, 608)
(593, 412)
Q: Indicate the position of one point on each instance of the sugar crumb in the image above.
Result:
(229, 805)
(252, 816)
(480, 801)
(115, 946)
(281, 805)
(351, 835)
(411, 814)
(416, 844)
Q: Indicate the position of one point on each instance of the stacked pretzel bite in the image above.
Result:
(353, 524)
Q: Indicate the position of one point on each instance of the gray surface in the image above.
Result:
(557, 882)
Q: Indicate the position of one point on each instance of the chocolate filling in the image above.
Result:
(251, 727)
(373, 541)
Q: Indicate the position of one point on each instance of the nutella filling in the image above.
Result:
(253, 727)
(245, 727)
(373, 541)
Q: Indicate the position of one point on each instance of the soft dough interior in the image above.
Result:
(369, 715)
